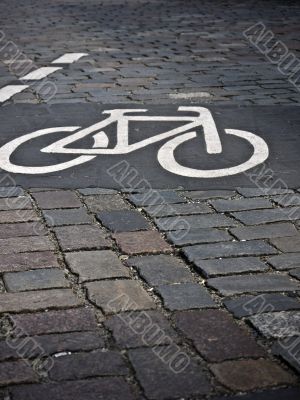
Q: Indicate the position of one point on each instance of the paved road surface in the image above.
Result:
(121, 277)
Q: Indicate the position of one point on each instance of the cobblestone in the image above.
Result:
(209, 194)
(11, 191)
(194, 221)
(160, 269)
(92, 265)
(153, 197)
(81, 237)
(141, 242)
(149, 52)
(70, 216)
(112, 388)
(267, 191)
(18, 216)
(105, 202)
(37, 300)
(26, 261)
(277, 230)
(228, 249)
(277, 324)
(166, 210)
(257, 217)
(25, 244)
(246, 375)
(249, 283)
(240, 204)
(216, 336)
(160, 382)
(12, 372)
(139, 329)
(119, 295)
(229, 266)
(285, 261)
(288, 245)
(22, 229)
(185, 296)
(123, 220)
(15, 203)
(56, 321)
(60, 199)
(196, 236)
(82, 365)
(244, 306)
(288, 349)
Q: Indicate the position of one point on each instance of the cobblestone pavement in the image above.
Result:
(152, 51)
(102, 289)
(158, 294)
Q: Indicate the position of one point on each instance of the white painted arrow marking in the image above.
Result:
(40, 73)
(10, 90)
(69, 58)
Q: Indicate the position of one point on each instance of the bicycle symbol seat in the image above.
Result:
(165, 156)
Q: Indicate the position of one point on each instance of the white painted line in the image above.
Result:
(189, 95)
(8, 91)
(39, 73)
(69, 58)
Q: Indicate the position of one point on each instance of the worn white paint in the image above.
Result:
(189, 95)
(165, 156)
(69, 58)
(10, 90)
(39, 73)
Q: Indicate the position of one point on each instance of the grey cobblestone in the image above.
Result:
(249, 283)
(277, 324)
(127, 295)
(195, 236)
(185, 296)
(285, 261)
(151, 52)
(105, 202)
(276, 230)
(244, 306)
(228, 249)
(257, 217)
(123, 220)
(229, 266)
(38, 279)
(70, 216)
(195, 221)
(159, 381)
(240, 204)
(93, 265)
(161, 269)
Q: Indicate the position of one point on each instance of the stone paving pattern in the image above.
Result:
(227, 299)
(155, 51)
(226, 292)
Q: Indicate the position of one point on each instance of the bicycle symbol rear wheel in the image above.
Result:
(167, 160)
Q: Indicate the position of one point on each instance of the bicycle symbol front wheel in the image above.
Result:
(167, 160)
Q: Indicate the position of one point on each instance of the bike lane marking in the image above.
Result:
(10, 90)
(39, 73)
(45, 161)
(69, 58)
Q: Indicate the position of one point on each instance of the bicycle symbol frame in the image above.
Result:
(165, 156)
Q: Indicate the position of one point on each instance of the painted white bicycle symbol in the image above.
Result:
(165, 155)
